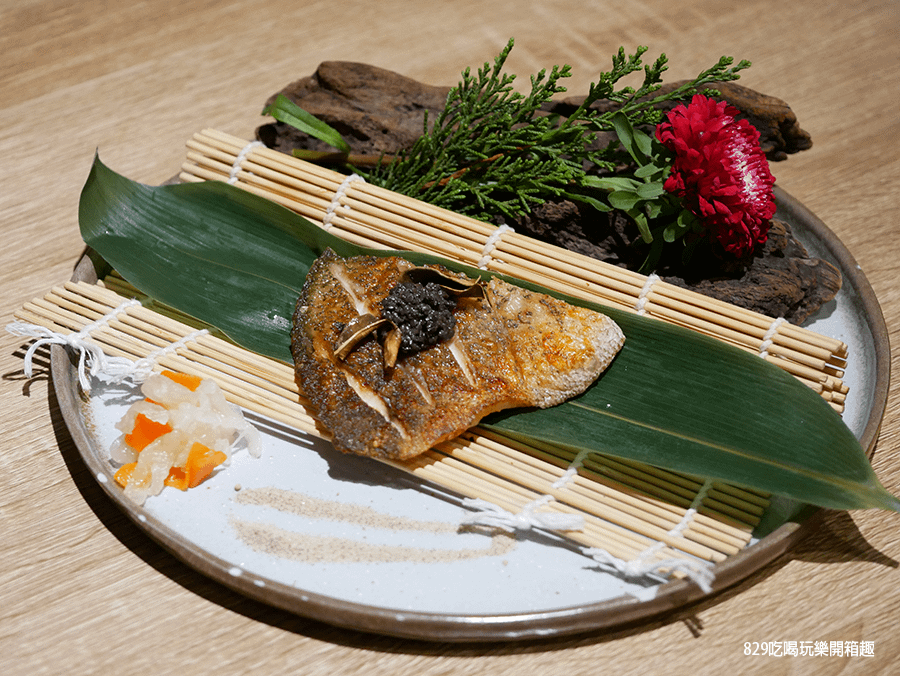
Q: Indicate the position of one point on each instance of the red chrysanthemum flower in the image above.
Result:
(719, 172)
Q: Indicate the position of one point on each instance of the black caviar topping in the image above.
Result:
(422, 312)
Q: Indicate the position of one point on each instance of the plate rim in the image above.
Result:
(476, 628)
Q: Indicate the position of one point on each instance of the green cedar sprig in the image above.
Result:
(494, 151)
(491, 150)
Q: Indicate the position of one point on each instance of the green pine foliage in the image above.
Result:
(493, 150)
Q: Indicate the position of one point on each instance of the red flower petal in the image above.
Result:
(719, 172)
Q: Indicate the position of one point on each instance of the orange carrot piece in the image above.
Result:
(200, 463)
(123, 475)
(189, 381)
(145, 430)
(177, 479)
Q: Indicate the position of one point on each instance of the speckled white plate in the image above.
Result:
(353, 542)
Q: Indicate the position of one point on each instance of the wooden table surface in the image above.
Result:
(82, 591)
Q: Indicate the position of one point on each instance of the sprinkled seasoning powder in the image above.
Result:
(276, 541)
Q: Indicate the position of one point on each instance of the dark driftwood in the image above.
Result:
(381, 112)
(375, 110)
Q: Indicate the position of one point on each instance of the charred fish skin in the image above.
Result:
(511, 348)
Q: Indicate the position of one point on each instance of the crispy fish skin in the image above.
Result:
(560, 349)
(519, 348)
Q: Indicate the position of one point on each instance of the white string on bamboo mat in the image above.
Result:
(338, 196)
(92, 360)
(241, 156)
(143, 367)
(489, 514)
(769, 337)
(491, 244)
(647, 566)
(641, 305)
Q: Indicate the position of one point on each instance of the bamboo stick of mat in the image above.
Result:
(625, 512)
(374, 217)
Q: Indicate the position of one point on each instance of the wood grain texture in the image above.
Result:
(82, 591)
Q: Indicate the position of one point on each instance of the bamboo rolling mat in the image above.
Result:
(374, 217)
(628, 509)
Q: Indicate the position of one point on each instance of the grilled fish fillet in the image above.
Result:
(511, 348)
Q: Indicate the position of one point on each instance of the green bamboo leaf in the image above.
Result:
(733, 418)
(285, 110)
(672, 398)
(206, 249)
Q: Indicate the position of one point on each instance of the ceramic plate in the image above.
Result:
(355, 543)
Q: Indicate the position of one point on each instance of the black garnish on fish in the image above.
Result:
(422, 312)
